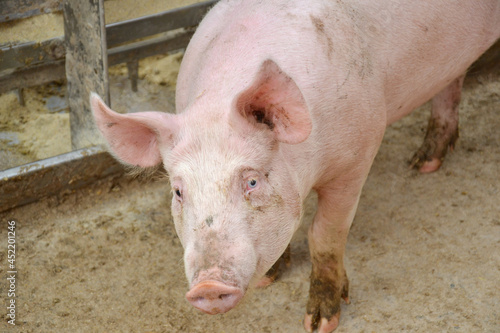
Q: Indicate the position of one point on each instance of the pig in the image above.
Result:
(277, 98)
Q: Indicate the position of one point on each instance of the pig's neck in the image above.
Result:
(299, 161)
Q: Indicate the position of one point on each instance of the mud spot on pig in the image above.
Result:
(324, 299)
(320, 26)
(323, 37)
(211, 43)
(209, 220)
(282, 116)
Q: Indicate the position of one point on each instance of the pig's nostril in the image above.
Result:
(222, 296)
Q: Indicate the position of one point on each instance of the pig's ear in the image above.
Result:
(134, 138)
(274, 100)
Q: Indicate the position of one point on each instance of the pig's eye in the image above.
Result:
(252, 183)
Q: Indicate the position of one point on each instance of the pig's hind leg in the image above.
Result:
(442, 131)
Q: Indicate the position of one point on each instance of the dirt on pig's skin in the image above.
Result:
(422, 254)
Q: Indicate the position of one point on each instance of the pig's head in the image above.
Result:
(236, 202)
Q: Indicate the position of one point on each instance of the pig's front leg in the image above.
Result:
(327, 238)
(442, 131)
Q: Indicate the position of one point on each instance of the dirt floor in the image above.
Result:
(422, 254)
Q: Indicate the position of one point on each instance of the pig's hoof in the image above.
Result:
(325, 326)
(323, 306)
(276, 270)
(425, 164)
(437, 141)
(265, 281)
(430, 166)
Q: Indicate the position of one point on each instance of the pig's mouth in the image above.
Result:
(213, 297)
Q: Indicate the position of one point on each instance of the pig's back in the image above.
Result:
(325, 45)
(427, 44)
(236, 37)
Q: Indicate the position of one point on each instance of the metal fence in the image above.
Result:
(85, 50)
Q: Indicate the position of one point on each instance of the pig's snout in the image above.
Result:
(214, 297)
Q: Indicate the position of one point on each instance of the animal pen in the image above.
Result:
(97, 250)
(81, 57)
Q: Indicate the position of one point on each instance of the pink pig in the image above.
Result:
(278, 97)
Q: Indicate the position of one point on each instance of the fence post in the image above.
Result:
(86, 66)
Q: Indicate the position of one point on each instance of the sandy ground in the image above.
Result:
(422, 254)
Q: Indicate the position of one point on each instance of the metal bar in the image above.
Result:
(86, 66)
(28, 183)
(44, 73)
(17, 9)
(20, 96)
(32, 76)
(121, 32)
(148, 48)
(31, 53)
(133, 73)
